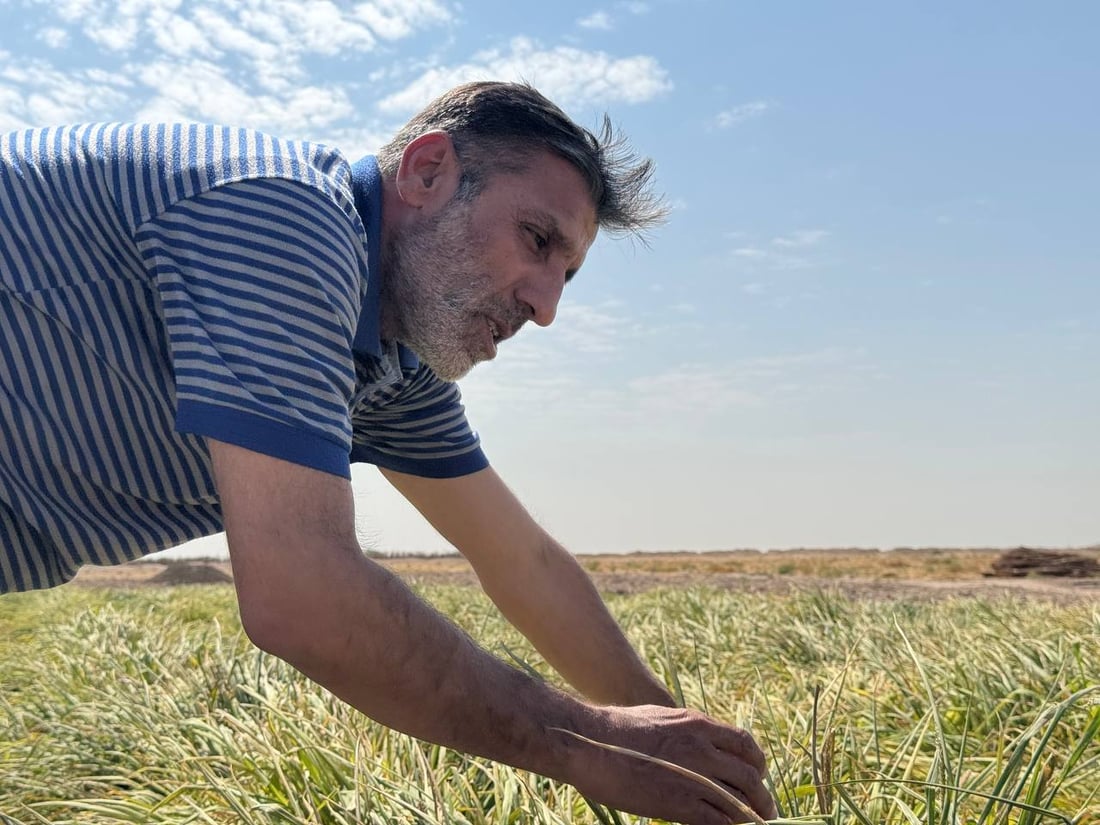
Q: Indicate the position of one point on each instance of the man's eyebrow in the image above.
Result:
(549, 224)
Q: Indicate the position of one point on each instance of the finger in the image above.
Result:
(745, 782)
(759, 798)
(729, 814)
(740, 743)
(761, 801)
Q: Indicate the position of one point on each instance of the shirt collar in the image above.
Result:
(366, 184)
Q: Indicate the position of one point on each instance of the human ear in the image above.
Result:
(429, 173)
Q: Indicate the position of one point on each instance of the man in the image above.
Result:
(203, 326)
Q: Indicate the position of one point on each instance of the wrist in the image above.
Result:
(571, 758)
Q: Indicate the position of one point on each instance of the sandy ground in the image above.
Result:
(628, 574)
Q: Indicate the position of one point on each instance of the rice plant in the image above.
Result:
(151, 706)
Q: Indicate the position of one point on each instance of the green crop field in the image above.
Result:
(149, 706)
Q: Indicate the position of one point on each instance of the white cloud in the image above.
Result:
(694, 394)
(565, 74)
(273, 35)
(739, 114)
(178, 36)
(54, 37)
(597, 20)
(584, 337)
(227, 34)
(244, 62)
(587, 329)
(687, 397)
(200, 90)
(395, 19)
(518, 380)
(353, 141)
(800, 238)
(118, 35)
(784, 253)
(770, 366)
(750, 252)
(549, 375)
(12, 108)
(693, 391)
(323, 28)
(635, 7)
(77, 10)
(35, 93)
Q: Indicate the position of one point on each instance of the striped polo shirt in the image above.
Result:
(160, 284)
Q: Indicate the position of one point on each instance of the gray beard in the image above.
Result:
(434, 294)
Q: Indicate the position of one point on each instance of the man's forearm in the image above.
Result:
(536, 583)
(373, 643)
(551, 599)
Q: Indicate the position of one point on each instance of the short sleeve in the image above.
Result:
(259, 284)
(418, 427)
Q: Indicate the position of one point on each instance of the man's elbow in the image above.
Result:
(290, 621)
(302, 613)
(268, 624)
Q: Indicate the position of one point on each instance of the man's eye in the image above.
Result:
(540, 239)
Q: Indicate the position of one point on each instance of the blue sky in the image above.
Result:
(873, 318)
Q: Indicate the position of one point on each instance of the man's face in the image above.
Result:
(463, 280)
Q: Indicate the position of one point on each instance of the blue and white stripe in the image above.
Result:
(164, 283)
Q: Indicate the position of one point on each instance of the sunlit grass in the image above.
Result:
(150, 706)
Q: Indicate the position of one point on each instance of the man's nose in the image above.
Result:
(541, 294)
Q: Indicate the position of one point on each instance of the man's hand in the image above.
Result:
(727, 756)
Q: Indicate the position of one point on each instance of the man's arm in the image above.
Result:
(537, 584)
(308, 595)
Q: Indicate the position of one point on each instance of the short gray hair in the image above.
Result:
(499, 127)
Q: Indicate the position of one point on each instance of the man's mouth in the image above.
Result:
(493, 337)
(499, 330)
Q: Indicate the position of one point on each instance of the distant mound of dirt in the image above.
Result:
(182, 573)
(1024, 561)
